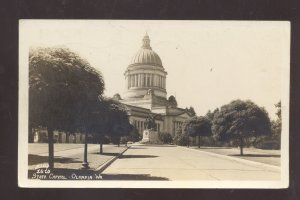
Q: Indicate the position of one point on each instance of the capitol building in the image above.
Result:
(146, 95)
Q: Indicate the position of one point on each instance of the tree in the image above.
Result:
(61, 87)
(198, 126)
(210, 115)
(98, 122)
(133, 136)
(109, 119)
(239, 120)
(165, 137)
(172, 101)
(180, 137)
(120, 125)
(276, 125)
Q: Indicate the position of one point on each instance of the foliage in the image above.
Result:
(240, 119)
(210, 115)
(197, 126)
(109, 119)
(118, 121)
(165, 137)
(180, 137)
(61, 88)
(133, 136)
(172, 101)
(276, 125)
(272, 141)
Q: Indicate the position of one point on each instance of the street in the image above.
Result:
(146, 162)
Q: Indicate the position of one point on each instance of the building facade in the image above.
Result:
(146, 94)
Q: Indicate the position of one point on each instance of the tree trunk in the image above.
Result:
(101, 147)
(30, 134)
(199, 141)
(67, 137)
(241, 146)
(188, 141)
(50, 148)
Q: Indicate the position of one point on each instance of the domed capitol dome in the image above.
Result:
(146, 55)
(145, 72)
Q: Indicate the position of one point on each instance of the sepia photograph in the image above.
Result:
(153, 104)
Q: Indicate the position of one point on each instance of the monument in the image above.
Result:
(150, 134)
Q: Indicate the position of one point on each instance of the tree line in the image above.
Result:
(242, 123)
(66, 94)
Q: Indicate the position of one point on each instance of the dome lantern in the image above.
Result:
(146, 42)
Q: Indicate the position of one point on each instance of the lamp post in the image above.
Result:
(85, 164)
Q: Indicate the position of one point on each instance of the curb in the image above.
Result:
(256, 164)
(102, 167)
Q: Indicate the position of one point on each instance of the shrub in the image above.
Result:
(165, 138)
(180, 139)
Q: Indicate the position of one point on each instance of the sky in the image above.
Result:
(209, 63)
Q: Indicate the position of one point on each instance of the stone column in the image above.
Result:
(160, 82)
(135, 80)
(139, 80)
(128, 81)
(147, 83)
(152, 80)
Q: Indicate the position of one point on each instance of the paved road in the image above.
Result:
(142, 162)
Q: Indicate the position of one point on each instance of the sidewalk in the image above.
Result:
(72, 158)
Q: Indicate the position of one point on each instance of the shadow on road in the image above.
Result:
(132, 177)
(255, 155)
(137, 156)
(36, 159)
